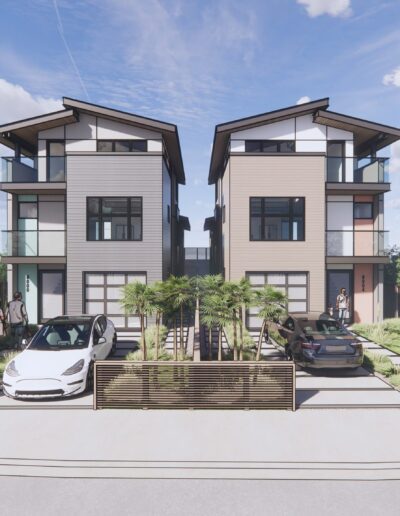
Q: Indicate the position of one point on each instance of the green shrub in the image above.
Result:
(386, 333)
(379, 363)
(136, 356)
(394, 379)
(151, 333)
(248, 342)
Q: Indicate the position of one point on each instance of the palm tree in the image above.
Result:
(157, 306)
(136, 299)
(207, 286)
(272, 305)
(232, 293)
(246, 298)
(215, 312)
(179, 294)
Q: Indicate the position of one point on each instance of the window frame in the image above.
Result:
(28, 218)
(370, 203)
(104, 300)
(129, 219)
(278, 143)
(291, 217)
(286, 287)
(124, 140)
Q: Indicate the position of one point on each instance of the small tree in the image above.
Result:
(157, 305)
(178, 294)
(215, 312)
(137, 300)
(208, 286)
(271, 303)
(246, 300)
(232, 293)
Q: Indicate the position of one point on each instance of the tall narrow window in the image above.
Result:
(56, 161)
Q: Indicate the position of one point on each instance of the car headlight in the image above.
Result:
(11, 370)
(75, 368)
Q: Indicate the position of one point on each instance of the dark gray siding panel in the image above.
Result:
(112, 176)
(166, 224)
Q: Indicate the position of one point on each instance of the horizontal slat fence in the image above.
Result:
(194, 385)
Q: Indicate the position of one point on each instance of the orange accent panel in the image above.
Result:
(363, 293)
(363, 244)
(364, 224)
(363, 198)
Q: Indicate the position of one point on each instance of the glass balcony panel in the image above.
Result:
(339, 243)
(32, 170)
(357, 170)
(356, 243)
(33, 243)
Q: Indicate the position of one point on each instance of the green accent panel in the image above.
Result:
(27, 224)
(27, 198)
(28, 286)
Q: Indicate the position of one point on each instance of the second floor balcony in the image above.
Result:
(355, 243)
(35, 243)
(39, 173)
(357, 170)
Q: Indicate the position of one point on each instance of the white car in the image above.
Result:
(59, 359)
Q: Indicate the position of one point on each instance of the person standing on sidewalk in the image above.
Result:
(18, 319)
(2, 322)
(342, 305)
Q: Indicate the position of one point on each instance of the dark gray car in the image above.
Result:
(319, 341)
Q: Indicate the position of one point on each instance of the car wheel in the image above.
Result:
(114, 345)
(89, 378)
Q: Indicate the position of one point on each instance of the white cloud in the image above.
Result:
(16, 103)
(303, 100)
(334, 8)
(392, 78)
(395, 158)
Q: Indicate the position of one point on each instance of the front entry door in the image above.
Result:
(51, 294)
(335, 281)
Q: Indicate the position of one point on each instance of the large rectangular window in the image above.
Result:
(114, 218)
(121, 145)
(293, 284)
(102, 295)
(269, 146)
(277, 218)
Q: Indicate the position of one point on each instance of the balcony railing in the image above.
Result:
(357, 170)
(33, 170)
(33, 243)
(356, 243)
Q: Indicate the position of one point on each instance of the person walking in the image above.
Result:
(18, 319)
(342, 305)
(2, 322)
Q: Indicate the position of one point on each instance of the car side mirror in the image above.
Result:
(101, 340)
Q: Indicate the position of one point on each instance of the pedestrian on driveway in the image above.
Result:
(342, 305)
(18, 319)
(2, 322)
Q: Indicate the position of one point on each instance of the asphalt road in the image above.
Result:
(49, 497)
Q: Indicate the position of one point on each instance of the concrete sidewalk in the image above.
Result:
(309, 445)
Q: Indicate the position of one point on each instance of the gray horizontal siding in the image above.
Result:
(107, 176)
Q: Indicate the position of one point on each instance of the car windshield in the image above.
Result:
(324, 327)
(59, 336)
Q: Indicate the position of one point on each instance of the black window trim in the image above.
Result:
(277, 142)
(285, 286)
(28, 218)
(363, 202)
(85, 284)
(129, 140)
(291, 216)
(129, 215)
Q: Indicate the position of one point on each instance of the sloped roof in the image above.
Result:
(365, 132)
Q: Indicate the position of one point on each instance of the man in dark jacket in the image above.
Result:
(18, 319)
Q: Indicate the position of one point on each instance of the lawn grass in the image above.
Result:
(386, 333)
(381, 364)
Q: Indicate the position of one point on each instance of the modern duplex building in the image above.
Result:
(299, 204)
(92, 204)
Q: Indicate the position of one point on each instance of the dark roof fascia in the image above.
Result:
(209, 224)
(184, 222)
(36, 120)
(354, 121)
(141, 121)
(288, 112)
(222, 131)
(119, 114)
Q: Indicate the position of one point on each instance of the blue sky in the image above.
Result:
(199, 63)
